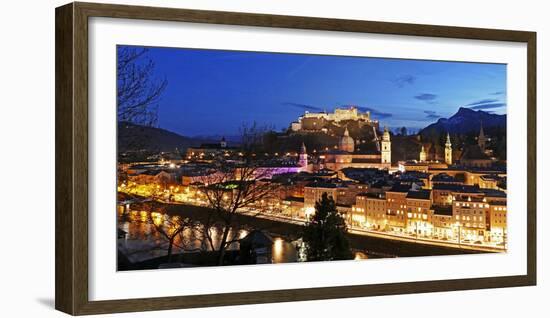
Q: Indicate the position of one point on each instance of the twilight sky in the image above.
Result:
(213, 92)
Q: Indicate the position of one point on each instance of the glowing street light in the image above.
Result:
(457, 224)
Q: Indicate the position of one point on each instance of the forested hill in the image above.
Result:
(132, 137)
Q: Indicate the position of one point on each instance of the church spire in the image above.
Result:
(481, 140)
(481, 133)
(386, 135)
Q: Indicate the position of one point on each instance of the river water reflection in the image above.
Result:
(140, 240)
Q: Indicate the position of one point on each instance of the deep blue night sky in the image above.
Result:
(214, 92)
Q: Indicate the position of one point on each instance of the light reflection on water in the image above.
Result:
(142, 241)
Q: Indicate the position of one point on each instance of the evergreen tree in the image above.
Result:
(325, 233)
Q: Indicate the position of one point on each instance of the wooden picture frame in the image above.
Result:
(71, 290)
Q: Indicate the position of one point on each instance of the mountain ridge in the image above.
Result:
(134, 137)
(465, 121)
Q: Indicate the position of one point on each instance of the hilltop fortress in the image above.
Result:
(321, 121)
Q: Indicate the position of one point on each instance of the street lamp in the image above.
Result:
(458, 227)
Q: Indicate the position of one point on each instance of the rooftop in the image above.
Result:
(419, 194)
(491, 177)
(326, 185)
(380, 196)
(365, 160)
(494, 193)
(473, 152)
(415, 174)
(443, 177)
(456, 188)
(399, 187)
(155, 172)
(415, 163)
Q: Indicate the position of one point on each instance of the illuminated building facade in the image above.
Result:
(497, 220)
(442, 222)
(370, 210)
(314, 193)
(448, 151)
(346, 156)
(469, 215)
(422, 155)
(319, 121)
(386, 147)
(396, 208)
(419, 212)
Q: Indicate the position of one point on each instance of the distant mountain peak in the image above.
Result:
(465, 120)
(464, 111)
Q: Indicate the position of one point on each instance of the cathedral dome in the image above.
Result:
(346, 142)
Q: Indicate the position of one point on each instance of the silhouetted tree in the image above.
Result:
(325, 233)
(170, 229)
(138, 91)
(234, 187)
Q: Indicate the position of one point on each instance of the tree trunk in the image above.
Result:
(170, 244)
(223, 242)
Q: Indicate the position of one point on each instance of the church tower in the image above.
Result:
(302, 162)
(223, 143)
(481, 140)
(386, 146)
(448, 151)
(422, 154)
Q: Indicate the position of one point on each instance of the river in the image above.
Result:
(142, 240)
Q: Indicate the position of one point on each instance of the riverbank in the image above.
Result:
(179, 260)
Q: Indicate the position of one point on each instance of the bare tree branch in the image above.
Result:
(235, 186)
(138, 91)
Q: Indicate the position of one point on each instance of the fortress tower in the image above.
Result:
(386, 147)
(448, 151)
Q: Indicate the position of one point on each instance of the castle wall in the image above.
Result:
(316, 121)
(313, 123)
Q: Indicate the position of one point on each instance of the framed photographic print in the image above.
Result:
(217, 150)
